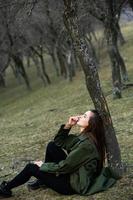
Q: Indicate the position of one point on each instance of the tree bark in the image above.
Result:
(2, 81)
(112, 29)
(119, 71)
(28, 62)
(123, 70)
(16, 73)
(40, 55)
(19, 64)
(44, 70)
(120, 36)
(62, 63)
(54, 63)
(70, 67)
(43, 66)
(92, 48)
(112, 51)
(93, 84)
(39, 73)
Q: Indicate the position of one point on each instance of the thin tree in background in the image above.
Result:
(108, 13)
(111, 23)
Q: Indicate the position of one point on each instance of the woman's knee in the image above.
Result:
(51, 146)
(31, 167)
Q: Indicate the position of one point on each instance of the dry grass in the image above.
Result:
(30, 119)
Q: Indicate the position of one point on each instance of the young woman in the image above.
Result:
(71, 162)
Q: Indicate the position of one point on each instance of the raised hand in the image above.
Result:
(72, 121)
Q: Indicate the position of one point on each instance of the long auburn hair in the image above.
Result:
(96, 128)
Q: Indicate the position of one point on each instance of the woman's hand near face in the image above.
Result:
(72, 121)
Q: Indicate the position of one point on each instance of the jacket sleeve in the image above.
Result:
(63, 139)
(74, 160)
(62, 133)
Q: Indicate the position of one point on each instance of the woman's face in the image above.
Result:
(83, 120)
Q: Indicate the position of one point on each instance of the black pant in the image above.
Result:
(60, 184)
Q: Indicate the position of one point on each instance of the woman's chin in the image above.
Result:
(78, 124)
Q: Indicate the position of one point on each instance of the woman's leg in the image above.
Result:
(54, 153)
(60, 184)
(23, 176)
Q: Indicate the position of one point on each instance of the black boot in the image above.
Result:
(36, 184)
(4, 192)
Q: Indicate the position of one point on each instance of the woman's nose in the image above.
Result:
(79, 117)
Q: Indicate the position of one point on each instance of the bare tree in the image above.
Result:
(93, 83)
(40, 23)
(2, 80)
(39, 53)
(108, 13)
(8, 12)
(19, 65)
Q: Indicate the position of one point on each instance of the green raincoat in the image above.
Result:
(81, 163)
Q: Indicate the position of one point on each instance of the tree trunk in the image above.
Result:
(116, 76)
(40, 55)
(44, 70)
(2, 81)
(92, 48)
(19, 64)
(70, 69)
(55, 64)
(124, 74)
(62, 63)
(112, 29)
(76, 61)
(73, 63)
(92, 32)
(123, 70)
(93, 84)
(28, 61)
(120, 36)
(16, 73)
(39, 73)
(111, 37)
(119, 72)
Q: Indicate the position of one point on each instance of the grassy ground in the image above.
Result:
(29, 120)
